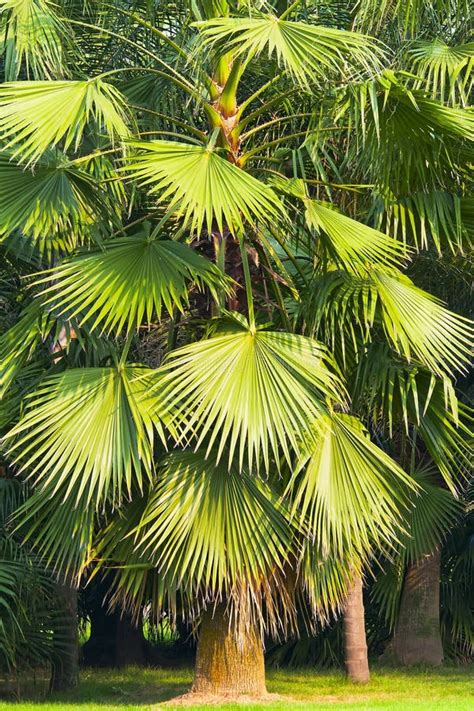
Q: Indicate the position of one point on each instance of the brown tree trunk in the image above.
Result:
(65, 673)
(355, 643)
(226, 663)
(417, 638)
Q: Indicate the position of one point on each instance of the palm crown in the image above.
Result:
(250, 186)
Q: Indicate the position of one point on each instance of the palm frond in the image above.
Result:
(56, 200)
(308, 52)
(201, 186)
(249, 387)
(438, 217)
(128, 282)
(395, 394)
(37, 115)
(33, 35)
(210, 527)
(347, 489)
(351, 243)
(444, 71)
(415, 323)
(90, 428)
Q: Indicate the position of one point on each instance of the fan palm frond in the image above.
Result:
(255, 388)
(397, 393)
(128, 282)
(347, 242)
(92, 428)
(415, 323)
(351, 243)
(444, 71)
(37, 115)
(56, 199)
(347, 489)
(201, 186)
(34, 35)
(209, 526)
(307, 52)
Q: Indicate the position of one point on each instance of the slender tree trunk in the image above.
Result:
(355, 643)
(227, 664)
(65, 673)
(417, 638)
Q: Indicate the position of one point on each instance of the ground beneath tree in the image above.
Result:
(445, 689)
(192, 698)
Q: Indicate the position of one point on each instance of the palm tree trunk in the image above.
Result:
(65, 673)
(417, 638)
(226, 663)
(355, 643)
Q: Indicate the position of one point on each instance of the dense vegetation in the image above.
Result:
(235, 336)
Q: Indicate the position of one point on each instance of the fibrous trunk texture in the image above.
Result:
(65, 673)
(417, 638)
(355, 643)
(227, 663)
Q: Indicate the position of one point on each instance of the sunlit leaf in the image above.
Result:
(202, 186)
(128, 282)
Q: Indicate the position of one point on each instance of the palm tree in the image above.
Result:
(227, 179)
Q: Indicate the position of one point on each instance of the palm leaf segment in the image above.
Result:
(37, 115)
(443, 70)
(347, 242)
(306, 51)
(34, 34)
(89, 431)
(416, 323)
(128, 282)
(350, 492)
(18, 342)
(207, 526)
(201, 186)
(258, 388)
(55, 198)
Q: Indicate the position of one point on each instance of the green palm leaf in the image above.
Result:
(415, 323)
(349, 242)
(345, 241)
(18, 342)
(306, 51)
(54, 199)
(90, 430)
(444, 71)
(400, 394)
(201, 186)
(210, 526)
(258, 388)
(37, 115)
(34, 35)
(128, 281)
(347, 489)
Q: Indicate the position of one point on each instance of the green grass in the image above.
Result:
(447, 689)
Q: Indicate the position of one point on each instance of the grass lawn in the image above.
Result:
(447, 689)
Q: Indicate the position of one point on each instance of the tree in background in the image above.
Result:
(244, 187)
